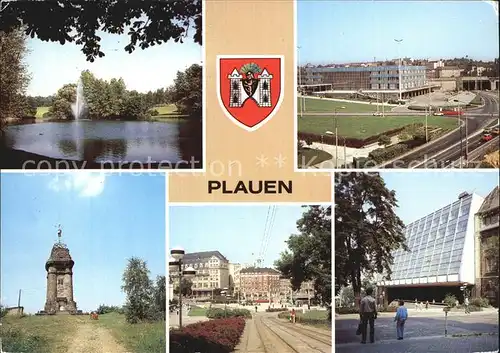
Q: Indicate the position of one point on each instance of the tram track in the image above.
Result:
(318, 336)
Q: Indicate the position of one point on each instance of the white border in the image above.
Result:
(282, 83)
(167, 259)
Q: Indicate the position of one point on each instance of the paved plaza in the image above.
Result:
(424, 332)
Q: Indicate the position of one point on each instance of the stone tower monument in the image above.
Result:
(59, 269)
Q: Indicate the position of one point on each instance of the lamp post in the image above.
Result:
(335, 110)
(466, 132)
(175, 265)
(399, 66)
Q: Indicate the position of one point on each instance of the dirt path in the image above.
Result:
(90, 337)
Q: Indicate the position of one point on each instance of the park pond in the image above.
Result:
(100, 141)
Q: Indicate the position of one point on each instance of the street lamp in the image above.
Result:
(175, 265)
(466, 132)
(224, 292)
(335, 110)
(399, 66)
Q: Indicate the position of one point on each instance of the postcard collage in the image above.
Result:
(309, 176)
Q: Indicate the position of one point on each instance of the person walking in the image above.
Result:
(368, 314)
(466, 305)
(400, 319)
(292, 315)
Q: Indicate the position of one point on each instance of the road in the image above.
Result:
(446, 150)
(265, 333)
(477, 332)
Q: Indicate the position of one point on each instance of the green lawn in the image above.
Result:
(142, 337)
(40, 111)
(326, 105)
(197, 311)
(362, 127)
(167, 112)
(37, 334)
(313, 314)
(308, 157)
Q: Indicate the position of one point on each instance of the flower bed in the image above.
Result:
(219, 335)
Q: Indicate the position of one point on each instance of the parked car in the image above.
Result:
(438, 113)
(377, 114)
(487, 137)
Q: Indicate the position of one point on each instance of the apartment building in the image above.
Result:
(260, 283)
(234, 277)
(487, 237)
(212, 272)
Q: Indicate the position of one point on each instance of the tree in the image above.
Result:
(61, 107)
(309, 253)
(14, 77)
(187, 286)
(187, 91)
(159, 308)
(148, 22)
(138, 289)
(367, 230)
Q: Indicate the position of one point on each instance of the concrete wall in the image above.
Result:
(468, 268)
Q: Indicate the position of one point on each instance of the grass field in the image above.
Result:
(167, 112)
(40, 111)
(143, 337)
(197, 311)
(362, 127)
(326, 105)
(308, 157)
(57, 333)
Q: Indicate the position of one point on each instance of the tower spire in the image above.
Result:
(59, 234)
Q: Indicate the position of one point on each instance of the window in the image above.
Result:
(454, 213)
(60, 281)
(462, 226)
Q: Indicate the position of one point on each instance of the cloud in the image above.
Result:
(86, 184)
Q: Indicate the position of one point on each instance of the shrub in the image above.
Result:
(450, 300)
(276, 310)
(220, 335)
(384, 154)
(384, 140)
(154, 112)
(480, 302)
(219, 313)
(105, 309)
(347, 310)
(15, 340)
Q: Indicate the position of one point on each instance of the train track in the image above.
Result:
(310, 347)
(318, 336)
(270, 348)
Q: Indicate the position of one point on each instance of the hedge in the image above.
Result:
(219, 313)
(276, 310)
(349, 142)
(220, 335)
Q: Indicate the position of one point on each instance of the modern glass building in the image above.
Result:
(441, 256)
(370, 78)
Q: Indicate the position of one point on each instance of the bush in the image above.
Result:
(276, 310)
(480, 302)
(220, 335)
(219, 313)
(105, 309)
(15, 340)
(347, 310)
(384, 140)
(384, 154)
(154, 112)
(450, 300)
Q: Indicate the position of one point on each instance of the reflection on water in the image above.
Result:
(100, 141)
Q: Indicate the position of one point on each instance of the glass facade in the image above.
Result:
(367, 78)
(436, 243)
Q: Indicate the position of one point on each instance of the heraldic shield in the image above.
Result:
(250, 88)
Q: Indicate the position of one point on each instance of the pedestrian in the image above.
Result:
(466, 305)
(256, 308)
(368, 314)
(400, 319)
(292, 315)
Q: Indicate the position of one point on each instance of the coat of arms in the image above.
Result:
(250, 88)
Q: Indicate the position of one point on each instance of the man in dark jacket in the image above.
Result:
(368, 314)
